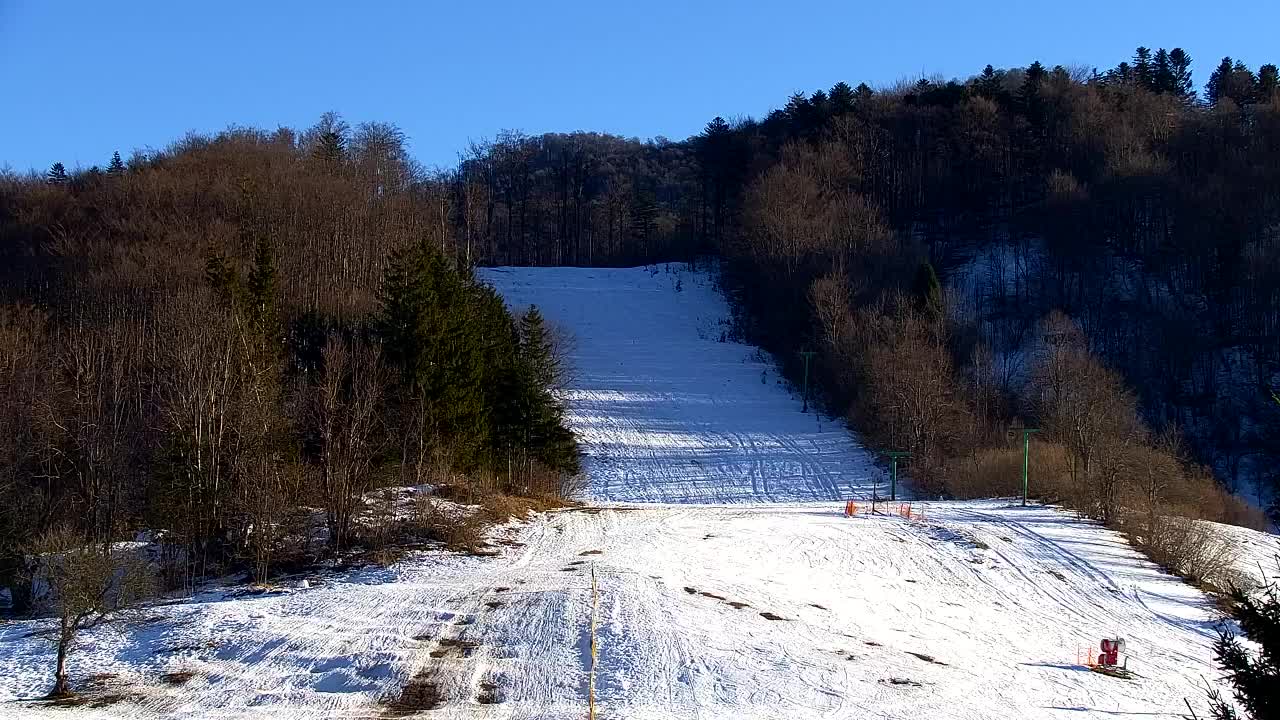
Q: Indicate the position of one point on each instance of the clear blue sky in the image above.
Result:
(80, 79)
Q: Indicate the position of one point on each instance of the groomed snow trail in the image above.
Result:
(782, 611)
(794, 611)
(714, 601)
(666, 408)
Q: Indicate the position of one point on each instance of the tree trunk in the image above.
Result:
(61, 687)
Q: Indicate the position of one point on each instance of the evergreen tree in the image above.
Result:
(256, 300)
(223, 278)
(1162, 75)
(863, 93)
(715, 154)
(545, 438)
(330, 147)
(988, 84)
(426, 329)
(1244, 84)
(922, 86)
(1034, 78)
(1255, 678)
(57, 174)
(819, 102)
(1219, 79)
(1121, 74)
(559, 448)
(261, 289)
(1029, 93)
(116, 167)
(1268, 82)
(928, 289)
(495, 331)
(1180, 63)
(536, 348)
(799, 114)
(529, 423)
(716, 128)
(1143, 70)
(840, 98)
(1231, 80)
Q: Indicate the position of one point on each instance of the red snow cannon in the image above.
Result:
(1111, 649)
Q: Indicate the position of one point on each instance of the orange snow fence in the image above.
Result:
(908, 512)
(850, 508)
(1088, 660)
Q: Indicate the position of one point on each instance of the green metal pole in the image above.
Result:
(1026, 454)
(893, 484)
(893, 456)
(805, 409)
(806, 354)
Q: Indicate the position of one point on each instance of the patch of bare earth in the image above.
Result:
(489, 693)
(181, 677)
(420, 694)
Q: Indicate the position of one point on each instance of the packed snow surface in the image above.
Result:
(666, 408)
(978, 611)
(713, 601)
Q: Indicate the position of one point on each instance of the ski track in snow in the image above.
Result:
(975, 612)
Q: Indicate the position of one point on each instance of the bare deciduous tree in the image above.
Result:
(913, 388)
(343, 412)
(1087, 407)
(196, 396)
(83, 584)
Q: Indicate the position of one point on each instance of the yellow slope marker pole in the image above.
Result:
(591, 681)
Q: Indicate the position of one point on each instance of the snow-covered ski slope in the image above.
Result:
(668, 412)
(714, 602)
(732, 612)
(666, 409)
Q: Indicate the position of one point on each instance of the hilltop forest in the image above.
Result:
(197, 339)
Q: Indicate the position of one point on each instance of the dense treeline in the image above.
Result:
(214, 339)
(1146, 218)
(578, 199)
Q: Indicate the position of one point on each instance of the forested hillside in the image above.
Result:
(1144, 213)
(222, 339)
(201, 337)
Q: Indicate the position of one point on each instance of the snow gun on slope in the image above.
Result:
(1108, 662)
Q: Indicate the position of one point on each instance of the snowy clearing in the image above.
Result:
(714, 602)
